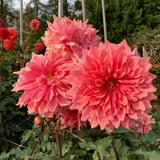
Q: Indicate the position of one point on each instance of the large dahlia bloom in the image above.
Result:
(111, 86)
(44, 85)
(69, 37)
(144, 125)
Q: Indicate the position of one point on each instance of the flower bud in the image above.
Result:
(38, 120)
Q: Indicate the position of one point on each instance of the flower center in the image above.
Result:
(49, 75)
(111, 83)
(74, 40)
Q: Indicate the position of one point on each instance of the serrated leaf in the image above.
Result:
(153, 155)
(79, 152)
(18, 153)
(26, 135)
(123, 150)
(4, 155)
(88, 145)
(102, 144)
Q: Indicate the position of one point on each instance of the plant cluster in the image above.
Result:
(81, 83)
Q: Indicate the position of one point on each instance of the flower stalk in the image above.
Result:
(38, 142)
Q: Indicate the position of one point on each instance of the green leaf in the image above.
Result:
(152, 155)
(26, 135)
(79, 152)
(19, 153)
(150, 137)
(88, 145)
(2, 89)
(123, 158)
(123, 150)
(95, 155)
(120, 129)
(4, 155)
(102, 144)
(70, 157)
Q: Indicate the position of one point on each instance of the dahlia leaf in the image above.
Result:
(88, 145)
(102, 144)
(95, 155)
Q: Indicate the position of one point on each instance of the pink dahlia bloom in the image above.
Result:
(35, 25)
(4, 33)
(144, 125)
(39, 47)
(72, 119)
(44, 85)
(8, 44)
(111, 85)
(1, 22)
(13, 33)
(69, 37)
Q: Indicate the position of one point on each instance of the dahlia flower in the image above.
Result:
(111, 86)
(35, 25)
(69, 37)
(39, 47)
(13, 33)
(72, 119)
(144, 125)
(1, 22)
(44, 85)
(4, 33)
(8, 44)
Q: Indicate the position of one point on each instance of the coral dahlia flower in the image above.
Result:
(44, 85)
(111, 86)
(39, 47)
(13, 33)
(35, 25)
(1, 22)
(72, 119)
(4, 33)
(69, 37)
(144, 125)
(8, 44)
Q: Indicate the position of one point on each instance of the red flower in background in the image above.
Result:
(1, 22)
(35, 25)
(39, 47)
(4, 33)
(8, 44)
(13, 33)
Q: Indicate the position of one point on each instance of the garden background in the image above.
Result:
(137, 21)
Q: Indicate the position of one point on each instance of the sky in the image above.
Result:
(25, 2)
